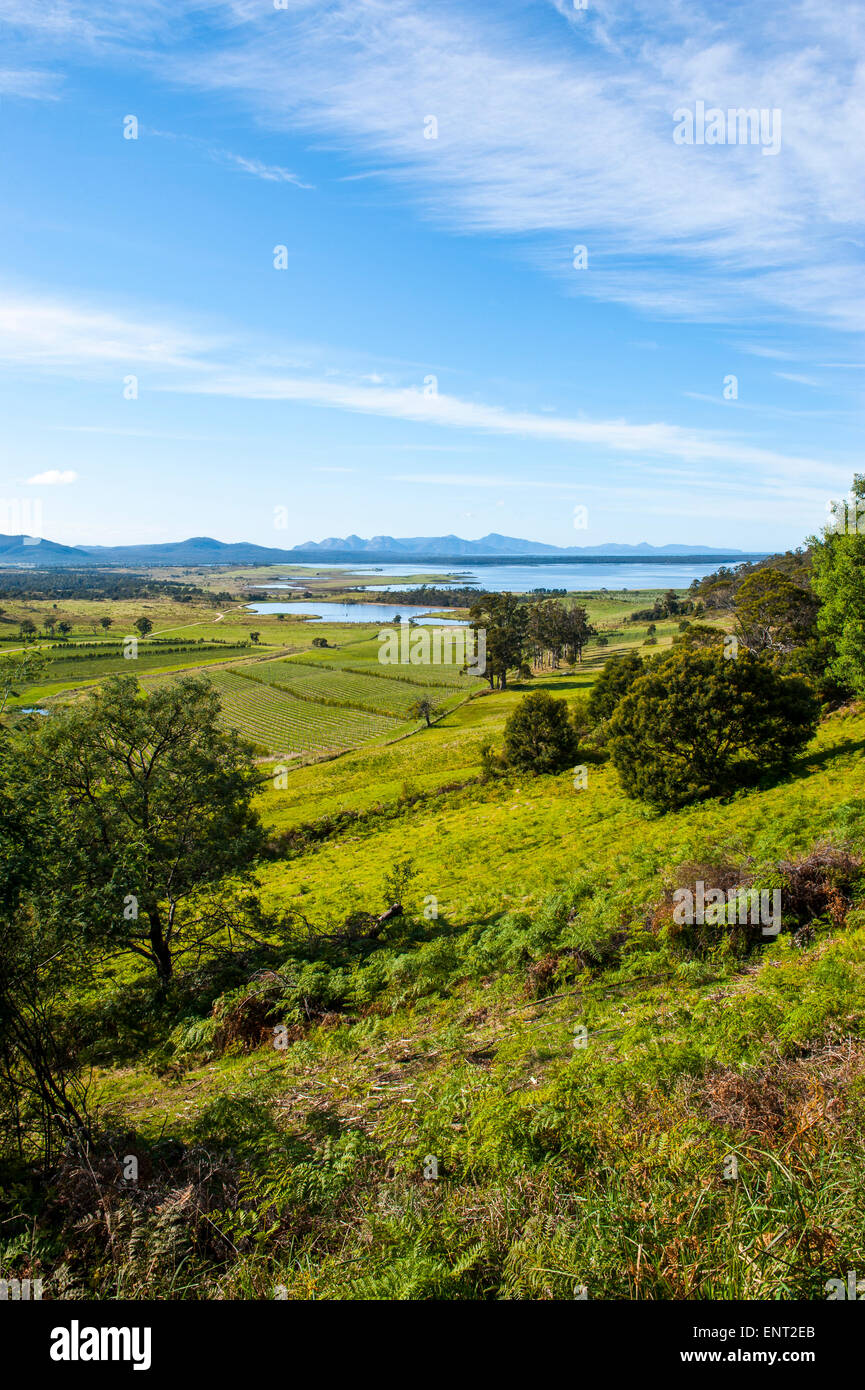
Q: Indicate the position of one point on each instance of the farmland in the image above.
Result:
(286, 726)
(467, 1056)
(79, 662)
(531, 905)
(291, 708)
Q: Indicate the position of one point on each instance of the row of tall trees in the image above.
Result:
(558, 630)
(516, 633)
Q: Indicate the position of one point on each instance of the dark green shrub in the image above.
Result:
(696, 724)
(539, 736)
(615, 680)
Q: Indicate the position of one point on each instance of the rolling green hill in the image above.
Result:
(530, 1082)
(535, 911)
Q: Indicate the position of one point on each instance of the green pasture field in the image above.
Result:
(381, 691)
(489, 845)
(560, 1165)
(70, 669)
(320, 579)
(80, 664)
(581, 1075)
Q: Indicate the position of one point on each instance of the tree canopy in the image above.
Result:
(838, 578)
(697, 724)
(774, 613)
(539, 735)
(615, 680)
(504, 620)
(152, 799)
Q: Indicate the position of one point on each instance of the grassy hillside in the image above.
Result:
(451, 1037)
(531, 1082)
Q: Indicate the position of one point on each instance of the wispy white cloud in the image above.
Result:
(485, 480)
(410, 403)
(53, 477)
(571, 137)
(771, 412)
(271, 173)
(185, 438)
(30, 83)
(798, 378)
(75, 339)
(555, 125)
(92, 24)
(48, 333)
(764, 350)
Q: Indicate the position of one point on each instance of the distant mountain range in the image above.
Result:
(449, 547)
(203, 550)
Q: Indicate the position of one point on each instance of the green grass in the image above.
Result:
(374, 690)
(485, 847)
(93, 665)
(558, 1166)
(289, 727)
(532, 909)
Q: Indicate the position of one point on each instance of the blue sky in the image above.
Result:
(430, 360)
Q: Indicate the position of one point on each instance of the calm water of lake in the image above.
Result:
(520, 578)
(385, 613)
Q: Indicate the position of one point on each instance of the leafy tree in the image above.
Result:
(696, 724)
(814, 660)
(492, 764)
(616, 678)
(702, 636)
(105, 623)
(153, 799)
(720, 594)
(504, 620)
(396, 881)
(774, 613)
(41, 1095)
(838, 579)
(143, 626)
(26, 629)
(64, 629)
(539, 735)
(543, 632)
(574, 629)
(557, 629)
(580, 717)
(17, 671)
(254, 638)
(422, 709)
